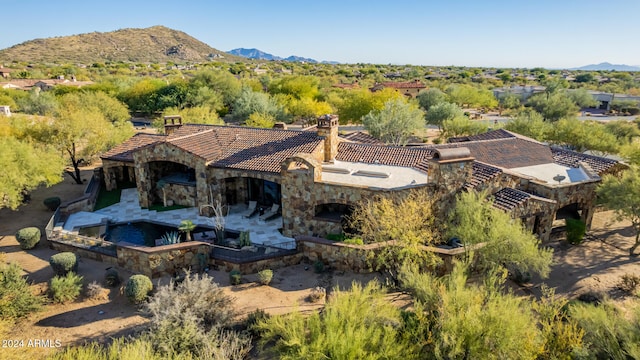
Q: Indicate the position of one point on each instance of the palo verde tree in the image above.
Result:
(622, 195)
(442, 112)
(492, 239)
(529, 123)
(80, 131)
(395, 123)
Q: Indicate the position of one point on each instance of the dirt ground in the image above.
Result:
(594, 266)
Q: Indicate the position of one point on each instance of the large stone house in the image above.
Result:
(317, 177)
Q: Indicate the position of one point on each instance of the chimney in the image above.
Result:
(172, 123)
(451, 168)
(328, 128)
(280, 125)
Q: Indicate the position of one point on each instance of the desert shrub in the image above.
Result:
(94, 290)
(575, 231)
(265, 276)
(235, 277)
(112, 278)
(355, 324)
(184, 315)
(518, 275)
(254, 318)
(607, 331)
(16, 298)
(629, 283)
(317, 293)
(318, 267)
(63, 263)
(52, 203)
(65, 288)
(28, 237)
(138, 288)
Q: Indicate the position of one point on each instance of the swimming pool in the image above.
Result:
(135, 232)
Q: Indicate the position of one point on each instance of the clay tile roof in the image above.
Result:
(362, 138)
(509, 199)
(124, 151)
(481, 173)
(405, 85)
(414, 157)
(507, 152)
(572, 159)
(489, 135)
(244, 148)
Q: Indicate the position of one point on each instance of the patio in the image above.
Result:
(128, 209)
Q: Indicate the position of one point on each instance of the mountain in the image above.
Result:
(608, 66)
(261, 55)
(157, 44)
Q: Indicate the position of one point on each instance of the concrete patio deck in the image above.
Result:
(128, 209)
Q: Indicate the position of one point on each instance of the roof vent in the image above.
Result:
(335, 170)
(374, 174)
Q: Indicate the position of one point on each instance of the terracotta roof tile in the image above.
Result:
(124, 151)
(572, 159)
(509, 199)
(417, 84)
(481, 173)
(489, 135)
(415, 157)
(507, 152)
(362, 138)
(244, 148)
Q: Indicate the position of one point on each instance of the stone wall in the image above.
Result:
(259, 265)
(161, 260)
(180, 194)
(113, 171)
(85, 253)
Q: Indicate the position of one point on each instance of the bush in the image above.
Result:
(235, 277)
(138, 288)
(354, 241)
(317, 293)
(52, 203)
(198, 296)
(335, 237)
(65, 288)
(265, 276)
(16, 298)
(575, 231)
(112, 278)
(629, 283)
(64, 263)
(318, 267)
(255, 318)
(28, 237)
(94, 290)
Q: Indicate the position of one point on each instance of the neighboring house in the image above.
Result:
(317, 177)
(523, 92)
(410, 89)
(44, 85)
(4, 72)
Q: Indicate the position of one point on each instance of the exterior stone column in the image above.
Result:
(143, 183)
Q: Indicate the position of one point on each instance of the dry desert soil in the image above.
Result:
(596, 265)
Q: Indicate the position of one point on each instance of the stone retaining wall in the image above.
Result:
(161, 260)
(84, 253)
(256, 266)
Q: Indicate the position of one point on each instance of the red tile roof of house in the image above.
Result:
(509, 199)
(415, 157)
(481, 173)
(507, 152)
(362, 138)
(124, 152)
(571, 158)
(416, 84)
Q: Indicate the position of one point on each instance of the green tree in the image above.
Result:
(509, 101)
(250, 102)
(624, 131)
(358, 103)
(439, 113)
(584, 78)
(505, 242)
(431, 97)
(143, 96)
(38, 103)
(258, 120)
(582, 98)
(26, 166)
(191, 115)
(469, 96)
(583, 135)
(622, 195)
(462, 126)
(553, 106)
(300, 87)
(80, 131)
(395, 123)
(529, 123)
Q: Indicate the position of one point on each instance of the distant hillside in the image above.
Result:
(156, 44)
(261, 55)
(608, 66)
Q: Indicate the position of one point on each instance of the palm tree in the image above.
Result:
(187, 226)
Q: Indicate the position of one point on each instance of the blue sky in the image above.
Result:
(497, 33)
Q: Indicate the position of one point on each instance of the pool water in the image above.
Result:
(136, 232)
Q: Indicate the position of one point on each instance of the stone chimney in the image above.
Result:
(328, 128)
(172, 123)
(280, 125)
(451, 168)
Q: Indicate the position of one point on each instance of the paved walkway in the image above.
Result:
(128, 209)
